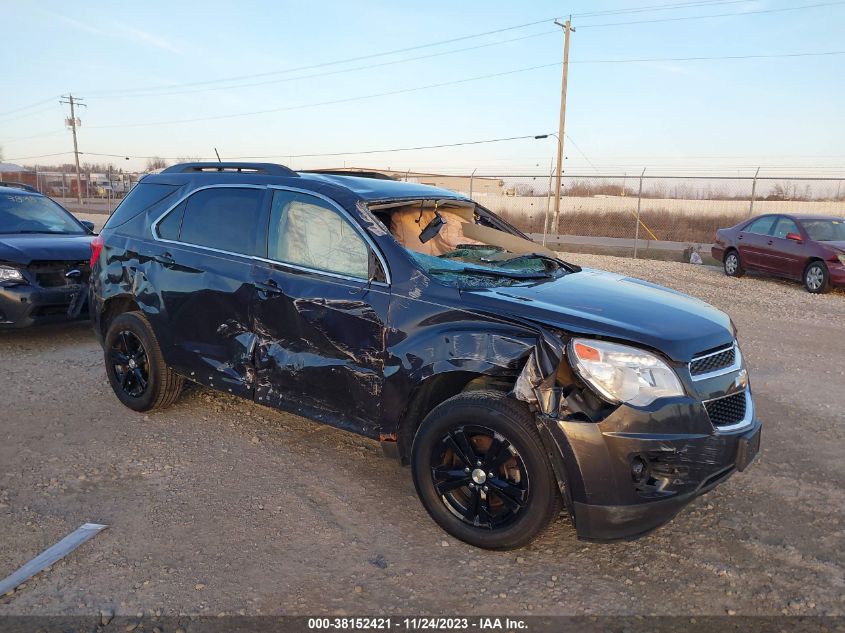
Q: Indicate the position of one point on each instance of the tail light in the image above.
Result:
(96, 249)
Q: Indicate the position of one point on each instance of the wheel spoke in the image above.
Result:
(140, 357)
(471, 511)
(484, 514)
(139, 378)
(126, 347)
(118, 357)
(511, 496)
(459, 443)
(124, 380)
(454, 478)
(497, 454)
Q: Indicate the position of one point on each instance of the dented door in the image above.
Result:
(320, 320)
(202, 267)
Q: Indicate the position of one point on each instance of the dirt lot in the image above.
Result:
(219, 505)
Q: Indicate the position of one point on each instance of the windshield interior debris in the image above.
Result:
(451, 240)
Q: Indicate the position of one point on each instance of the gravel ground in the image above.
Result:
(222, 506)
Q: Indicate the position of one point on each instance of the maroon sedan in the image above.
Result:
(807, 248)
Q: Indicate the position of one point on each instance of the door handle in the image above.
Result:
(770, 242)
(269, 287)
(739, 238)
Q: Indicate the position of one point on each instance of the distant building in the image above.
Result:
(479, 185)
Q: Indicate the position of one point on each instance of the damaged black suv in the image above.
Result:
(514, 384)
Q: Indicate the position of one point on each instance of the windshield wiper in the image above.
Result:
(492, 272)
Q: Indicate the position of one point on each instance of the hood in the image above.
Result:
(839, 245)
(28, 248)
(598, 303)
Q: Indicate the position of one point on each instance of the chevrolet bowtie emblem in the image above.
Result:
(741, 380)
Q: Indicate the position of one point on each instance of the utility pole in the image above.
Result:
(567, 27)
(74, 122)
(753, 193)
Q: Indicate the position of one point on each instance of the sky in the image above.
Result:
(144, 69)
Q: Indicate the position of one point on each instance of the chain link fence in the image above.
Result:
(627, 214)
(649, 212)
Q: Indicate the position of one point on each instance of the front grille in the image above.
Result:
(713, 362)
(728, 410)
(52, 275)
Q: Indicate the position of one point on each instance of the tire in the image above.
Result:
(505, 511)
(816, 277)
(733, 265)
(135, 367)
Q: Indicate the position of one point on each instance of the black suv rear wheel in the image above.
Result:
(481, 472)
(137, 372)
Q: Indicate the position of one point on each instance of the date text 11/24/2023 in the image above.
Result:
(417, 623)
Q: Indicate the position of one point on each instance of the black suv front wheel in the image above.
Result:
(481, 472)
(137, 372)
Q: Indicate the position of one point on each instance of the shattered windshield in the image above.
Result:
(24, 213)
(462, 245)
(474, 266)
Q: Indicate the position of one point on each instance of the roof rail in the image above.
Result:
(360, 173)
(269, 169)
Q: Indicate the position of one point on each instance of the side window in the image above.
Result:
(307, 231)
(761, 225)
(785, 226)
(225, 218)
(168, 228)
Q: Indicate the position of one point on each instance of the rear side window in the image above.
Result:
(224, 218)
(761, 225)
(784, 227)
(169, 227)
(142, 197)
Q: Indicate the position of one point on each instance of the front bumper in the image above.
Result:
(25, 305)
(594, 462)
(836, 275)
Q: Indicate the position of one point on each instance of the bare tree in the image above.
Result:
(156, 163)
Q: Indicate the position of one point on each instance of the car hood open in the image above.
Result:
(34, 247)
(598, 303)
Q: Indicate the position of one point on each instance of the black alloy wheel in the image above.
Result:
(481, 470)
(135, 366)
(480, 476)
(130, 364)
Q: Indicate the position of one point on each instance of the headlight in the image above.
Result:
(841, 258)
(10, 274)
(623, 374)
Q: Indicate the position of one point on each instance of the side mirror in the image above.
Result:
(88, 224)
(794, 237)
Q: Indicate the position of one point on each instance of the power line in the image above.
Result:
(312, 155)
(27, 107)
(328, 73)
(659, 7)
(349, 153)
(451, 83)
(705, 58)
(332, 101)
(714, 15)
